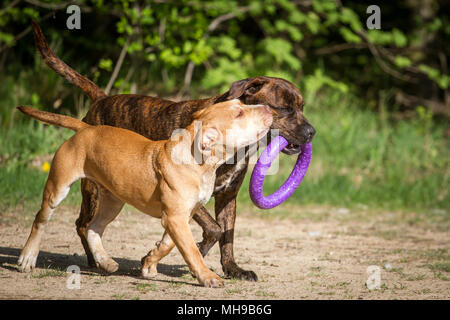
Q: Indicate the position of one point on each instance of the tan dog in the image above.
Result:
(164, 179)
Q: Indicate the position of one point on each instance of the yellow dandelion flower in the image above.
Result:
(45, 166)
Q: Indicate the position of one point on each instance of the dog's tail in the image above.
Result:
(53, 118)
(88, 87)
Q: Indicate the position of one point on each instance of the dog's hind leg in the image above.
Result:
(89, 208)
(150, 261)
(58, 184)
(91, 203)
(109, 208)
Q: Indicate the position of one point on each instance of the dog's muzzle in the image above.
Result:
(306, 134)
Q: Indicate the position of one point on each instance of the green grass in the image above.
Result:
(358, 159)
(22, 146)
(146, 287)
(49, 273)
(440, 266)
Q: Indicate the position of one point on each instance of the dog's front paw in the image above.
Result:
(211, 281)
(27, 260)
(109, 265)
(232, 270)
(148, 269)
(149, 272)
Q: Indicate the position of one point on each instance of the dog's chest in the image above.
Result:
(206, 188)
(227, 175)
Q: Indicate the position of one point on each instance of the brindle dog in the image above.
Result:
(156, 118)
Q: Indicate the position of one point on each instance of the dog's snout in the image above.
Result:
(309, 133)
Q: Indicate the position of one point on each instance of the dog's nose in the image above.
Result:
(309, 133)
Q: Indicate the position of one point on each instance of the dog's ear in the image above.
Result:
(207, 140)
(247, 86)
(203, 143)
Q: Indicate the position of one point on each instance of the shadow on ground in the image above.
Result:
(60, 262)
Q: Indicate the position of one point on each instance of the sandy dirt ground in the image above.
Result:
(314, 253)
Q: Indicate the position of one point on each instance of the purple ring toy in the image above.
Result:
(263, 164)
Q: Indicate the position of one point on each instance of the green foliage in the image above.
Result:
(20, 147)
(105, 64)
(348, 35)
(226, 72)
(229, 39)
(441, 79)
(280, 50)
(318, 80)
(402, 62)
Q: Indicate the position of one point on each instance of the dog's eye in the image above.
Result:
(284, 110)
(240, 114)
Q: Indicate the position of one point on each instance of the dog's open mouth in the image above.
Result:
(291, 149)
